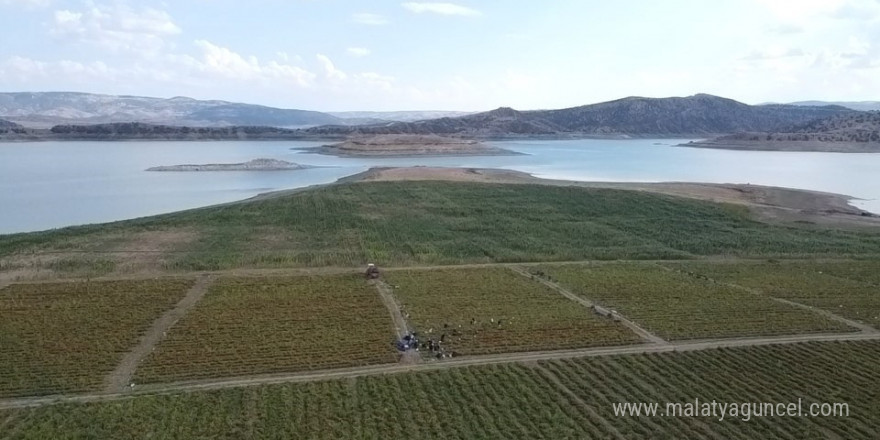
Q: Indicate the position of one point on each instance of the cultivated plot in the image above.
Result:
(65, 337)
(492, 310)
(677, 306)
(552, 400)
(815, 373)
(848, 289)
(275, 324)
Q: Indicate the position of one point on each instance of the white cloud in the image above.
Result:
(330, 71)
(774, 53)
(440, 8)
(226, 63)
(369, 19)
(116, 28)
(358, 51)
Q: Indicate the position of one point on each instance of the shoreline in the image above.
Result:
(787, 146)
(768, 203)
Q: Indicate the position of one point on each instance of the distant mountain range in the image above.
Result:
(46, 109)
(863, 106)
(694, 115)
(401, 116)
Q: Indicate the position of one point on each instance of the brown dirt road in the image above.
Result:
(525, 357)
(646, 336)
(119, 379)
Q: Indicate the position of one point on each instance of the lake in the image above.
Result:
(47, 185)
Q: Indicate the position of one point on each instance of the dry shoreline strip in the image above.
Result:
(397, 146)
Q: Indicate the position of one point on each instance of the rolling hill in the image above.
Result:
(694, 115)
(46, 109)
(848, 132)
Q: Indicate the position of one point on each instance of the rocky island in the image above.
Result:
(393, 145)
(253, 165)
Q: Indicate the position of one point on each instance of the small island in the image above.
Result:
(254, 165)
(409, 145)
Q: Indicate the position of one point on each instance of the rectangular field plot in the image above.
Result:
(495, 310)
(275, 324)
(65, 337)
(677, 306)
(817, 373)
(553, 400)
(847, 289)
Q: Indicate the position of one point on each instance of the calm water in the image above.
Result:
(54, 184)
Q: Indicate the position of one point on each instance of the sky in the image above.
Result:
(469, 55)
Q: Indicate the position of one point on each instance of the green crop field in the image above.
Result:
(677, 306)
(275, 324)
(414, 223)
(496, 310)
(65, 337)
(552, 400)
(831, 286)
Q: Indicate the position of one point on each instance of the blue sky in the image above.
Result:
(334, 55)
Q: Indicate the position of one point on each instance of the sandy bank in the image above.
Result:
(409, 146)
(253, 165)
(802, 146)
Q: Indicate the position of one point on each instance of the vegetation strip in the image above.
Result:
(554, 379)
(451, 363)
(644, 334)
(120, 378)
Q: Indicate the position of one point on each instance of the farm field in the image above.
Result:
(426, 223)
(492, 310)
(552, 400)
(275, 324)
(65, 337)
(848, 289)
(677, 306)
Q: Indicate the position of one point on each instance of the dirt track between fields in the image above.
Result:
(646, 336)
(236, 382)
(120, 378)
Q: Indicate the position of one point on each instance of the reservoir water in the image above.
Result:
(47, 185)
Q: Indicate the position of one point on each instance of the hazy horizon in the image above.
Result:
(443, 56)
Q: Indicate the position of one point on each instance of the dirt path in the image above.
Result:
(304, 271)
(235, 382)
(646, 336)
(120, 378)
(408, 357)
(387, 295)
(864, 328)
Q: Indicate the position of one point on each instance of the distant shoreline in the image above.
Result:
(792, 146)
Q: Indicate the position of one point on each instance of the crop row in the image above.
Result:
(677, 306)
(850, 289)
(64, 337)
(490, 310)
(813, 373)
(555, 399)
(277, 324)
